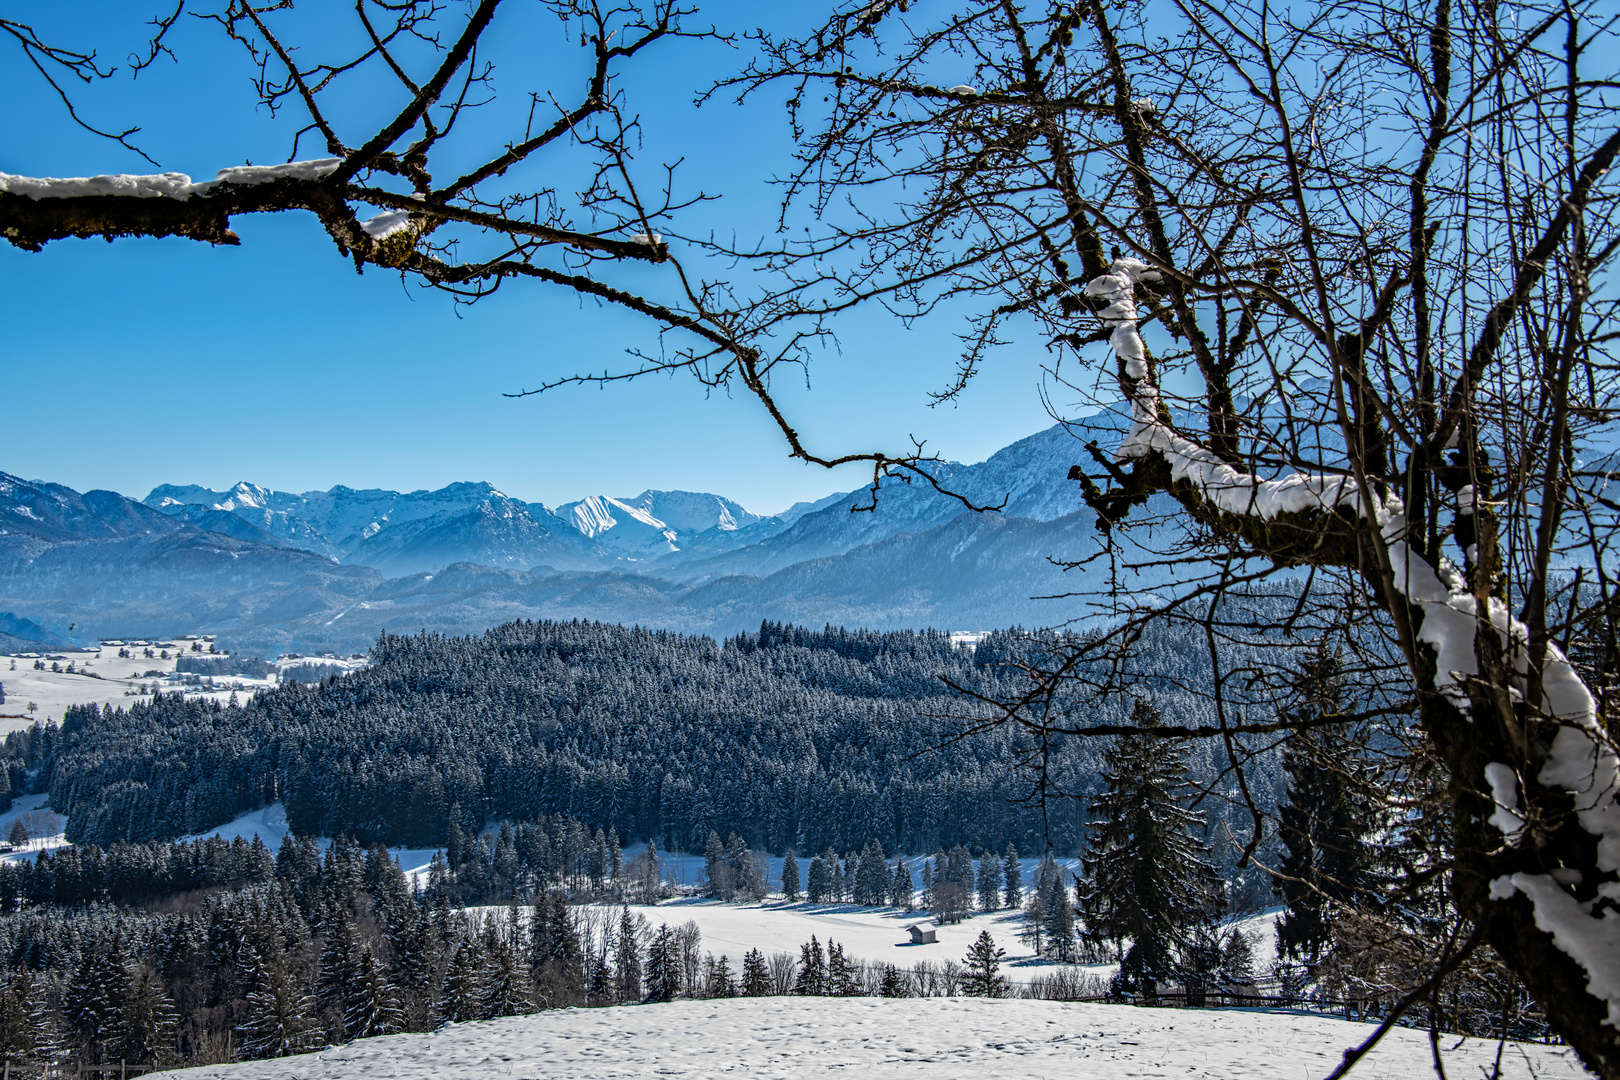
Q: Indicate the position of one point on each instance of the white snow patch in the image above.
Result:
(1505, 794)
(385, 225)
(964, 89)
(170, 185)
(906, 1038)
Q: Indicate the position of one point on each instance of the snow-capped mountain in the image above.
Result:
(658, 524)
(328, 569)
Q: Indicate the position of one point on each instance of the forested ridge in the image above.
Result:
(790, 738)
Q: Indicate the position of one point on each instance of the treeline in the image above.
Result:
(790, 738)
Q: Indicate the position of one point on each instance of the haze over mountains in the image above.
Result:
(271, 570)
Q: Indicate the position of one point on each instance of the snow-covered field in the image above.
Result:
(937, 1038)
(102, 677)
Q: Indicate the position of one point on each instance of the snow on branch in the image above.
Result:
(1580, 761)
(162, 185)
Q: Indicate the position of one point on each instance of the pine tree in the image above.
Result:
(981, 976)
(988, 882)
(93, 1001)
(280, 1016)
(663, 966)
(372, 1003)
(756, 981)
(1324, 820)
(16, 1038)
(461, 998)
(902, 892)
(893, 984)
(1147, 874)
(930, 897)
(1058, 922)
(840, 973)
(1012, 878)
(507, 990)
(149, 1022)
(716, 870)
(627, 958)
(790, 877)
(812, 976)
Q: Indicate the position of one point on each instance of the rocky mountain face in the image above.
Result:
(272, 570)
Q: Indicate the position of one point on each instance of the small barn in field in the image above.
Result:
(921, 935)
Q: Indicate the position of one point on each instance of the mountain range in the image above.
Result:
(269, 570)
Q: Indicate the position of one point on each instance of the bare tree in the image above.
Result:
(1345, 274)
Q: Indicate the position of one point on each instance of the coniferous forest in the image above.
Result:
(789, 738)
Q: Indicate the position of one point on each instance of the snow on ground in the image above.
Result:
(873, 1037)
(46, 827)
(102, 677)
(270, 826)
(875, 934)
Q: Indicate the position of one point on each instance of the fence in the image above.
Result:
(78, 1070)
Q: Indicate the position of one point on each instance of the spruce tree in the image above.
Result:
(149, 1021)
(981, 975)
(663, 966)
(627, 957)
(756, 980)
(1324, 819)
(93, 1001)
(903, 893)
(1059, 922)
(893, 984)
(790, 877)
(812, 976)
(1012, 878)
(16, 1038)
(840, 973)
(372, 1004)
(280, 1015)
(989, 881)
(1147, 873)
(461, 998)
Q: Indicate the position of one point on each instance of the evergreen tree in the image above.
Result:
(372, 1005)
(16, 1034)
(1237, 961)
(893, 984)
(1059, 922)
(1323, 822)
(930, 896)
(337, 967)
(507, 989)
(1012, 879)
(812, 976)
(756, 980)
(663, 966)
(841, 980)
(149, 1020)
(461, 998)
(280, 1016)
(93, 1001)
(989, 881)
(816, 886)
(719, 983)
(627, 957)
(716, 871)
(902, 892)
(1148, 877)
(790, 877)
(981, 975)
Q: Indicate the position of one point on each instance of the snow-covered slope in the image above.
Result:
(932, 1038)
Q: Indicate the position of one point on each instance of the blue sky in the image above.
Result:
(141, 362)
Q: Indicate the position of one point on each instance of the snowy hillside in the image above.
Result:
(933, 1038)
